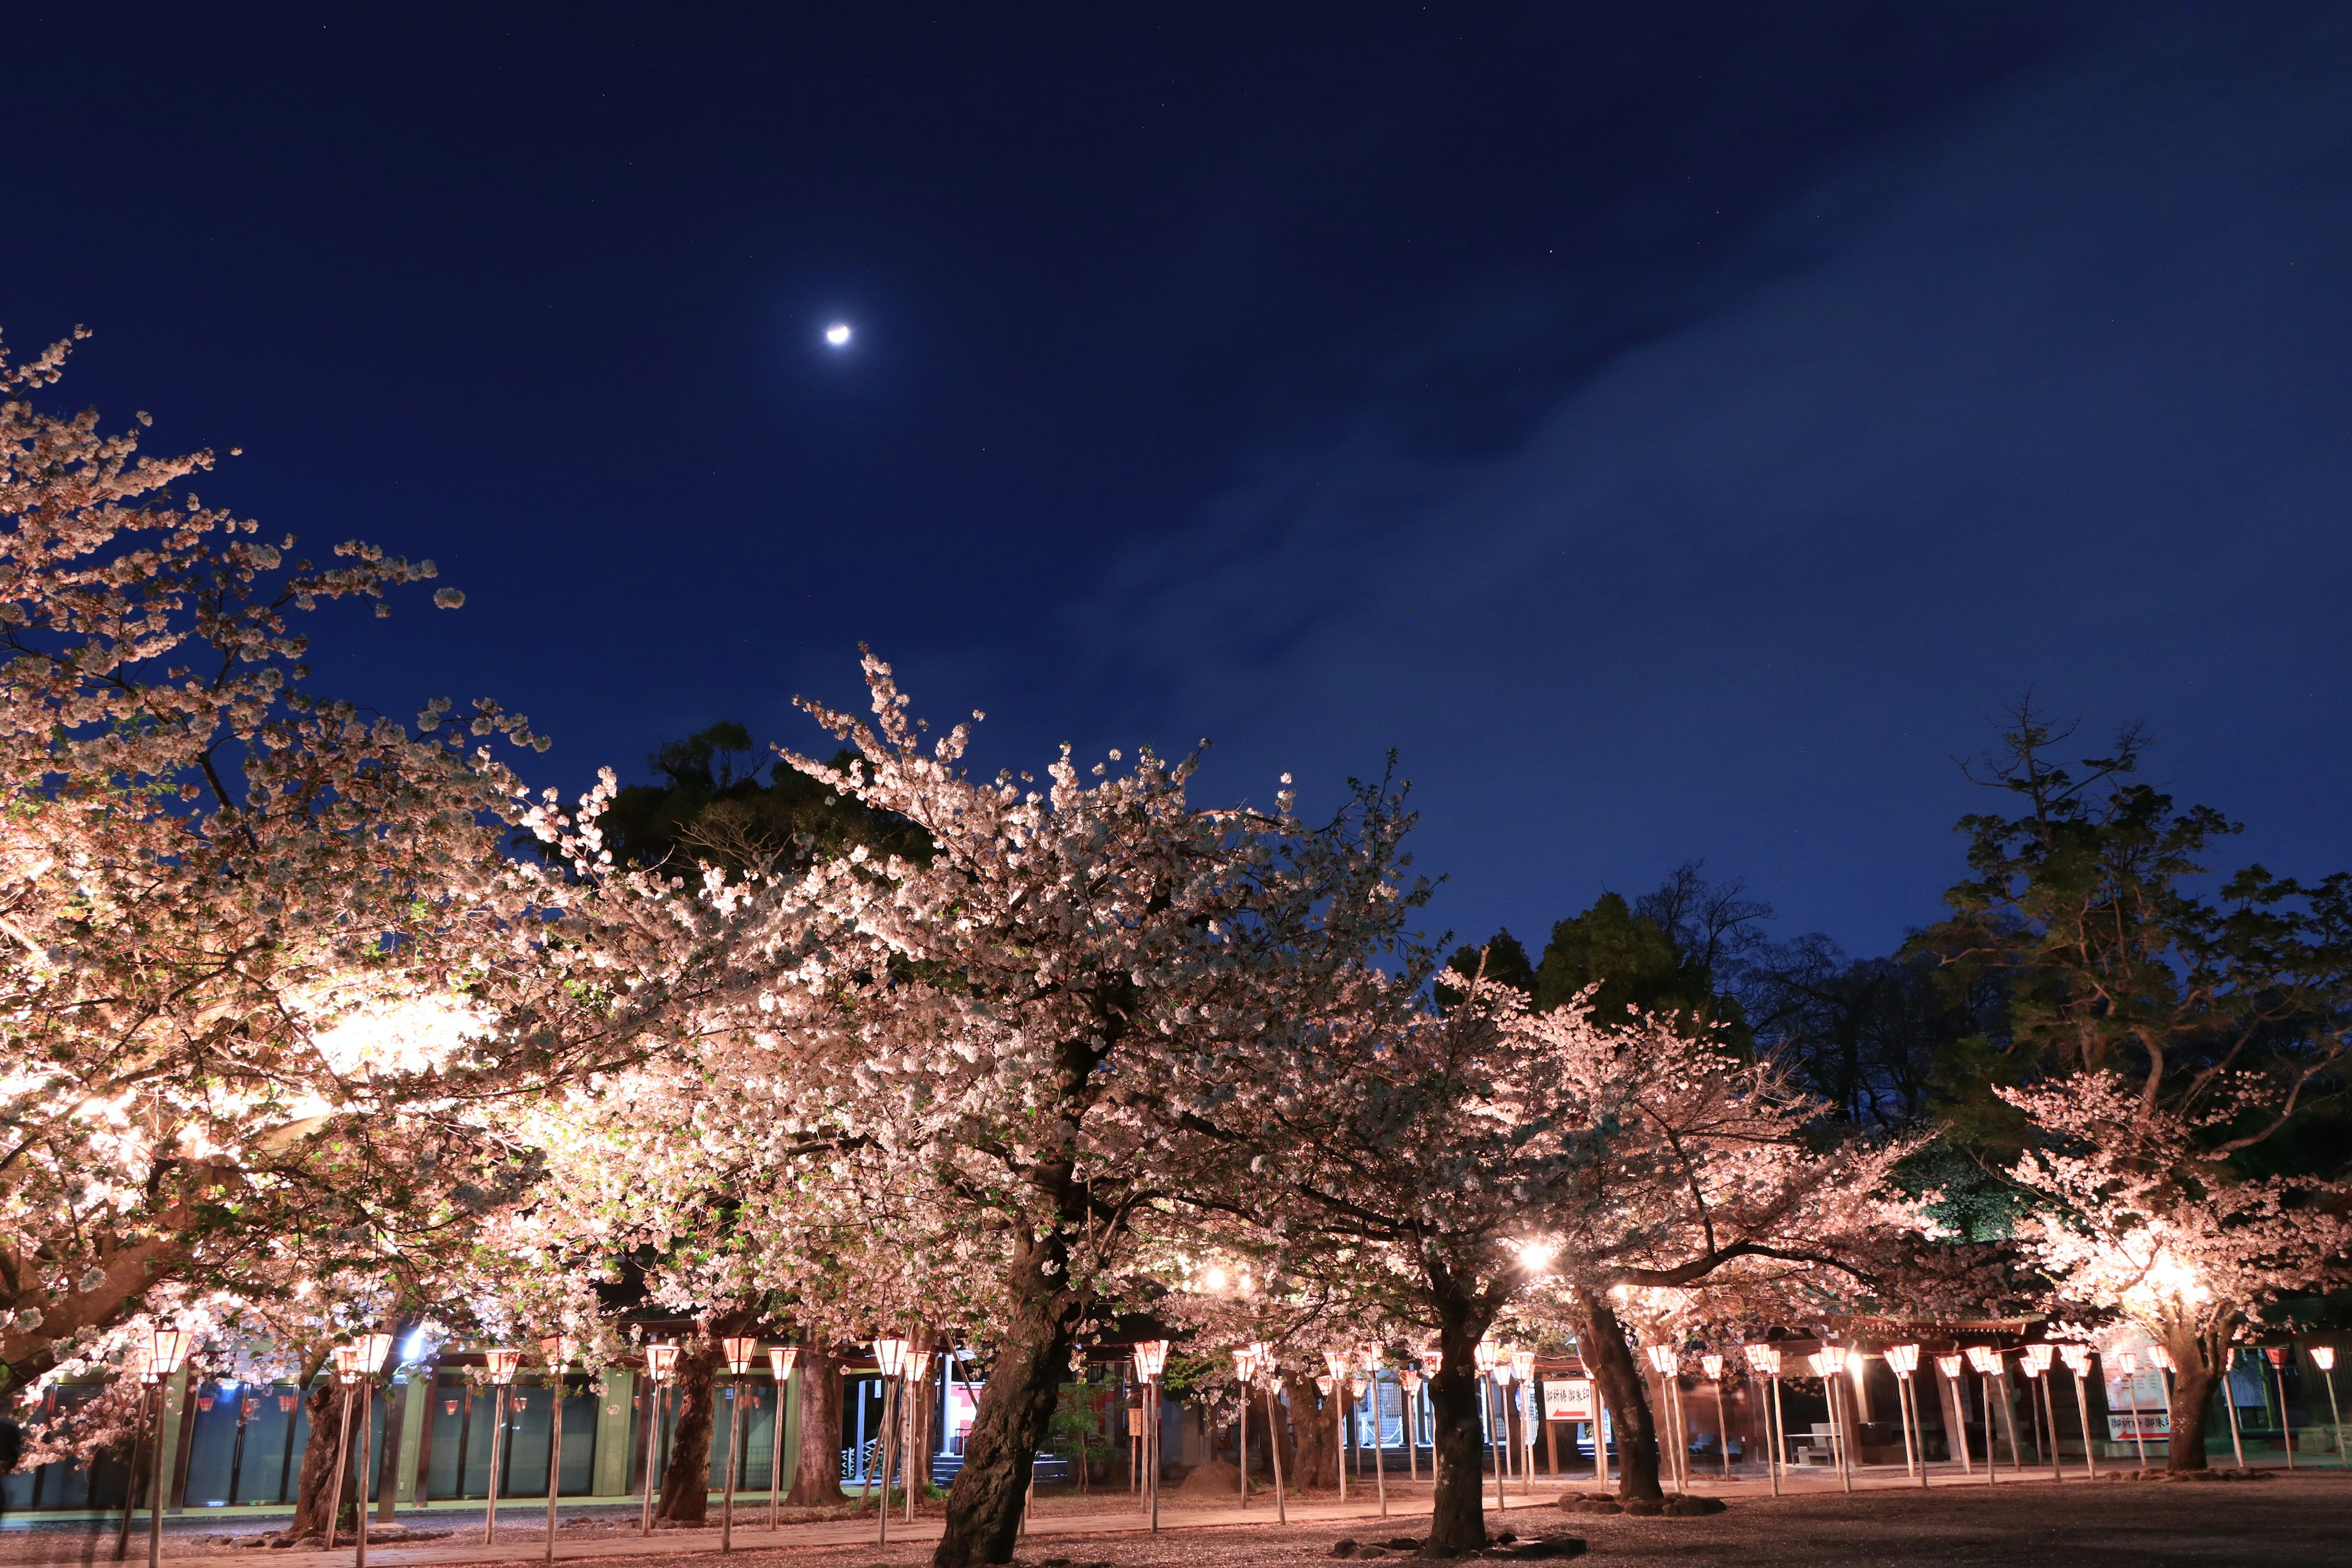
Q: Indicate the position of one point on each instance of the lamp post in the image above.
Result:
(372, 1349)
(2161, 1359)
(501, 1364)
(1856, 1366)
(780, 1362)
(1523, 1374)
(1951, 1366)
(2277, 1354)
(1338, 1387)
(2129, 1364)
(1712, 1364)
(167, 1351)
(1667, 1364)
(2324, 1358)
(1324, 1384)
(138, 1366)
(1372, 1365)
(889, 1356)
(1483, 1357)
(558, 1351)
(913, 1372)
(1409, 1386)
(1993, 1369)
(2037, 1362)
(2078, 1361)
(1765, 1362)
(1501, 1378)
(2230, 1403)
(1243, 1357)
(347, 1375)
(1261, 1365)
(1433, 1360)
(661, 1361)
(1360, 1386)
(1151, 1358)
(740, 1350)
(1827, 1362)
(1902, 1361)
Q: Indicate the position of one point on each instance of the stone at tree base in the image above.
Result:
(1403, 1543)
(1685, 1505)
(1346, 1546)
(1643, 1507)
(1213, 1478)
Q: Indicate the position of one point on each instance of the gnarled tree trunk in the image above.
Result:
(1457, 1521)
(686, 1480)
(1312, 1459)
(1601, 1338)
(816, 1477)
(1016, 1408)
(325, 1404)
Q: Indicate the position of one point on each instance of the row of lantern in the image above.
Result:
(1830, 1361)
(1496, 1367)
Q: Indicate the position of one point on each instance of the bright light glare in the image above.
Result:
(838, 334)
(1534, 1254)
(412, 1036)
(1214, 1279)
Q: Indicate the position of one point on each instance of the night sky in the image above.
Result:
(1677, 429)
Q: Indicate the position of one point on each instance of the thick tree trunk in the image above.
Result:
(1457, 1521)
(324, 1403)
(1016, 1408)
(1601, 1338)
(1312, 1459)
(2199, 1373)
(817, 1480)
(686, 1480)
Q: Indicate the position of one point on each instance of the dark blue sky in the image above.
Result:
(1677, 428)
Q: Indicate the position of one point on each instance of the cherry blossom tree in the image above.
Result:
(255, 945)
(993, 1025)
(2146, 1216)
(1447, 1171)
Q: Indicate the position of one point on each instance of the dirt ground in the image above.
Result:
(2287, 1520)
(2300, 1520)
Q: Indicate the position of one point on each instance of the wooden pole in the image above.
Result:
(334, 1497)
(554, 1455)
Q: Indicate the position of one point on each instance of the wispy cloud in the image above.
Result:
(2051, 392)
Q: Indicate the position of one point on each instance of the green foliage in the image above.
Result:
(1079, 1431)
(713, 808)
(1502, 960)
(2096, 913)
(1183, 1375)
(1971, 1202)
(1636, 965)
